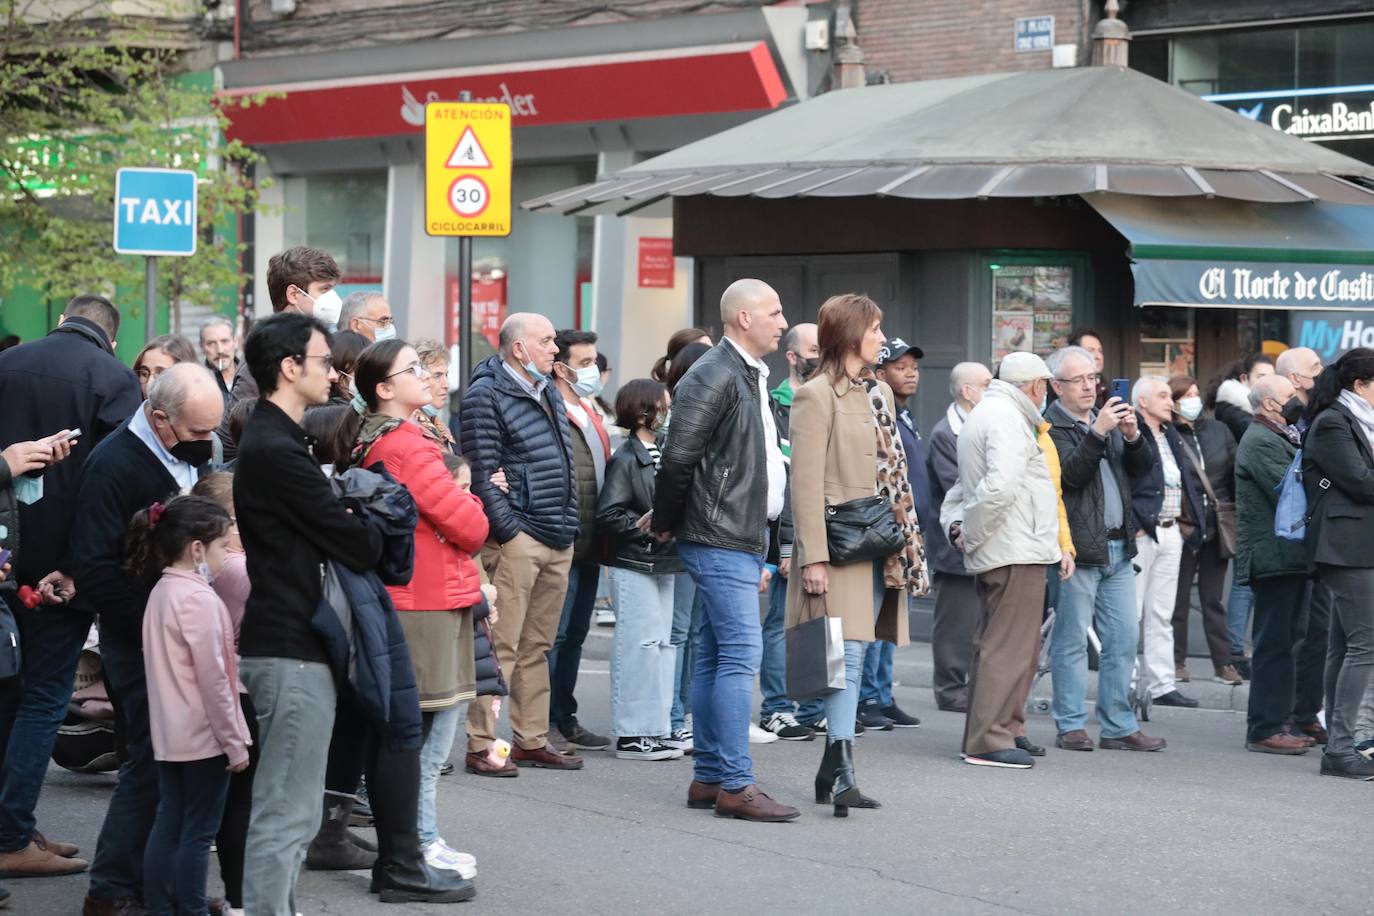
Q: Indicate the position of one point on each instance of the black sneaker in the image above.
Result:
(817, 728)
(1174, 698)
(1366, 749)
(644, 748)
(784, 725)
(1025, 744)
(1011, 759)
(859, 728)
(870, 716)
(583, 740)
(1355, 767)
(899, 718)
(446, 770)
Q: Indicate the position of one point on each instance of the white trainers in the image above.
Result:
(759, 736)
(440, 855)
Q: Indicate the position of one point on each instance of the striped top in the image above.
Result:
(654, 453)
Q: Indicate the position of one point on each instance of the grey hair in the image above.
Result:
(355, 305)
(1142, 386)
(216, 320)
(170, 390)
(961, 375)
(1058, 357)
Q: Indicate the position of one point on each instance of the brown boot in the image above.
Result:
(33, 861)
(702, 795)
(546, 758)
(753, 804)
(1136, 742)
(65, 850)
(478, 765)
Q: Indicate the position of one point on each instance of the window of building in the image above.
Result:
(346, 216)
(1033, 304)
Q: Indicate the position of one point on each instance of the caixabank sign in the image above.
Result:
(1321, 113)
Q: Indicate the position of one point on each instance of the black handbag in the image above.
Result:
(815, 653)
(862, 529)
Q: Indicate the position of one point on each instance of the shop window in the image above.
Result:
(1032, 307)
(346, 216)
(1167, 341)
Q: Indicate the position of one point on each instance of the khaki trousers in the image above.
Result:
(531, 580)
(1006, 649)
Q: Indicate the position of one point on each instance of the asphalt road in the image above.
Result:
(1204, 827)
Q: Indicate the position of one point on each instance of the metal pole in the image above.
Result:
(464, 314)
(149, 298)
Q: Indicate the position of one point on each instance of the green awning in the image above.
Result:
(1221, 253)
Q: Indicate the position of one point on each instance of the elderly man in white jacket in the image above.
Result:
(1003, 513)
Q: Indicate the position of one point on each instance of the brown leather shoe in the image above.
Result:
(1293, 731)
(1137, 742)
(1181, 674)
(753, 804)
(57, 847)
(545, 758)
(121, 906)
(1279, 743)
(478, 765)
(702, 795)
(1227, 674)
(33, 861)
(1076, 740)
(1312, 730)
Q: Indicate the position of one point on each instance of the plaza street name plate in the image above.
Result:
(467, 168)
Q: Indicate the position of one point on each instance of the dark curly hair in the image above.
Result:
(159, 534)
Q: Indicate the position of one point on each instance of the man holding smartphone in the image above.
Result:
(1099, 451)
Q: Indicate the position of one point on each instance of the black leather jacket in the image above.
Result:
(626, 495)
(1080, 454)
(713, 477)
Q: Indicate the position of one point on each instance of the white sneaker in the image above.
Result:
(604, 617)
(679, 739)
(440, 855)
(759, 736)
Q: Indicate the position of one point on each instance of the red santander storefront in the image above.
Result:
(342, 140)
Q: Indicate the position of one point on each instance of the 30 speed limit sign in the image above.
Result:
(467, 168)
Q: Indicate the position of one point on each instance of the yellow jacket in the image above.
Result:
(1052, 459)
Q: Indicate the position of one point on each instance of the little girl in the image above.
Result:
(199, 734)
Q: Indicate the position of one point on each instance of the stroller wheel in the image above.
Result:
(1040, 705)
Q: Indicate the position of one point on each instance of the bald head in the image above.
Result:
(801, 350)
(185, 405)
(1301, 366)
(752, 314)
(527, 337)
(967, 382)
(1269, 394)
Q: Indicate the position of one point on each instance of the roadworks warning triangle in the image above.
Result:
(468, 154)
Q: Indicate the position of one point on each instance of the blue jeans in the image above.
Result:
(31, 710)
(1103, 597)
(877, 683)
(773, 671)
(566, 655)
(643, 661)
(295, 701)
(842, 708)
(188, 816)
(1238, 609)
(117, 869)
(729, 648)
(433, 756)
(686, 623)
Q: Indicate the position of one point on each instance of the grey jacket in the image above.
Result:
(942, 466)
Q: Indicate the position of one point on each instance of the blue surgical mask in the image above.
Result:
(28, 490)
(528, 366)
(588, 383)
(385, 333)
(430, 411)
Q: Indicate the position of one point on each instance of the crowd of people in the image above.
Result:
(302, 564)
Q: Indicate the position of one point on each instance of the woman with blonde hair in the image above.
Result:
(846, 448)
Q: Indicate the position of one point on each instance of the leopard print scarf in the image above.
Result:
(906, 568)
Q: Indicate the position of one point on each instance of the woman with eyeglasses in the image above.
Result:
(160, 354)
(435, 608)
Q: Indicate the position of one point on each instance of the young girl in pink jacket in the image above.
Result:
(199, 733)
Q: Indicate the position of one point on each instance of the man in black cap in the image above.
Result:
(899, 366)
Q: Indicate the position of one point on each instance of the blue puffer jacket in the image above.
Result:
(505, 427)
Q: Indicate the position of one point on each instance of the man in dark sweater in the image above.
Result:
(67, 380)
(291, 523)
(157, 453)
(899, 366)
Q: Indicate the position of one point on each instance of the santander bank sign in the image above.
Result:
(413, 110)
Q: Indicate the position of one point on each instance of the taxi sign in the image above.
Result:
(155, 212)
(467, 168)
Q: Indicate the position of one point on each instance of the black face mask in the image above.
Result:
(194, 452)
(1292, 410)
(807, 367)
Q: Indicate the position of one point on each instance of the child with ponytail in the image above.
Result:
(198, 731)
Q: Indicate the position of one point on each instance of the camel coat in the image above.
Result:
(834, 459)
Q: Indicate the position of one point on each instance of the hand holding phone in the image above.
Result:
(1121, 388)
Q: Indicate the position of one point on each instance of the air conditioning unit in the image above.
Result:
(283, 7)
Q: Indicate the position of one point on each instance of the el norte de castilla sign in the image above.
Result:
(1254, 285)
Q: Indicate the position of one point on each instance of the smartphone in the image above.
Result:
(4, 557)
(74, 434)
(1121, 388)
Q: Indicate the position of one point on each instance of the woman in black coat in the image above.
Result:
(1338, 473)
(1212, 449)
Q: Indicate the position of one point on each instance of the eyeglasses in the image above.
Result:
(326, 359)
(1090, 378)
(414, 369)
(385, 322)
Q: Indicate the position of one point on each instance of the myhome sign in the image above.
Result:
(1324, 113)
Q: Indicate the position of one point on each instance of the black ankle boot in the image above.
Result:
(825, 776)
(845, 792)
(419, 883)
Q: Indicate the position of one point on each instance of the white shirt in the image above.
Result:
(777, 468)
(184, 474)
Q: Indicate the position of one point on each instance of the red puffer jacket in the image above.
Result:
(452, 526)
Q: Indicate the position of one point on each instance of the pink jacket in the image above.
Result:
(192, 670)
(232, 587)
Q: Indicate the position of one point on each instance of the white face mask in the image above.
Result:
(327, 307)
(588, 382)
(385, 333)
(1190, 408)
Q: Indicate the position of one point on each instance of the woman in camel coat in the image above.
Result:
(845, 445)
